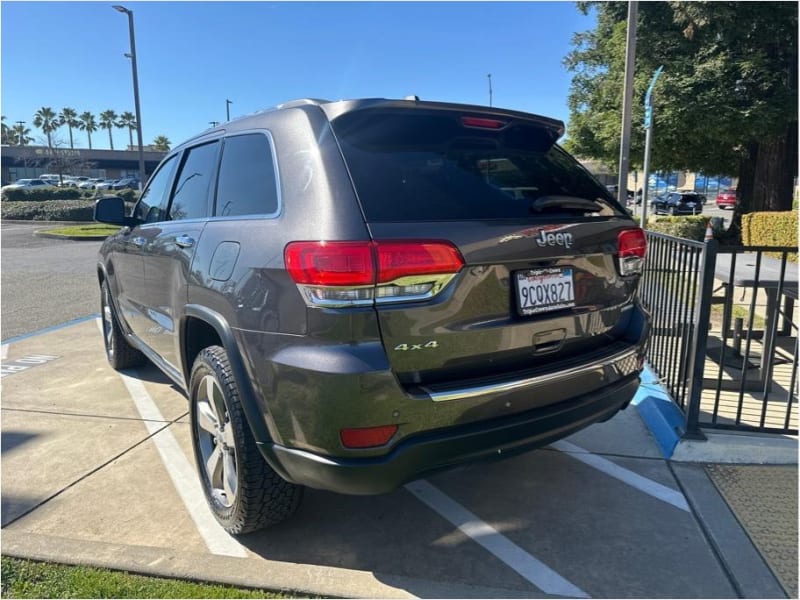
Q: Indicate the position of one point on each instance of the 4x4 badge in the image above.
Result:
(406, 347)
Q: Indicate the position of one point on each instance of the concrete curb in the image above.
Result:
(254, 572)
(666, 423)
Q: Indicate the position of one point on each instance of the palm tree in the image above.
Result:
(46, 120)
(162, 143)
(6, 131)
(19, 135)
(108, 120)
(87, 124)
(69, 117)
(128, 119)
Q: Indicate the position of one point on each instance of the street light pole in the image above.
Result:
(627, 100)
(228, 108)
(122, 9)
(490, 88)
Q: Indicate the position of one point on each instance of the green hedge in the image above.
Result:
(771, 229)
(31, 194)
(690, 228)
(48, 210)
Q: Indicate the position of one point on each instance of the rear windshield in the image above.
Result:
(415, 165)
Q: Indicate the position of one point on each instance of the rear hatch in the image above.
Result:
(539, 281)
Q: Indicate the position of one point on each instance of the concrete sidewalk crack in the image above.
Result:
(91, 416)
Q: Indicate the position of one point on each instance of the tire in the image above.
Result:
(119, 352)
(243, 491)
(673, 212)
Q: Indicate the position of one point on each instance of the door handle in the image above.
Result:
(184, 241)
(138, 242)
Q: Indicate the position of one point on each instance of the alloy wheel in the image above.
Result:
(216, 442)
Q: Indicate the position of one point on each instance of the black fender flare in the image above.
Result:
(255, 416)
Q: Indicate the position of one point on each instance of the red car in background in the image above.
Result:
(727, 198)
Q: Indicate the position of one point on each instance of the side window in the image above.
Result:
(152, 206)
(247, 182)
(190, 199)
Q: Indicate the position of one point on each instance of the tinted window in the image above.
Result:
(414, 165)
(152, 205)
(190, 199)
(247, 183)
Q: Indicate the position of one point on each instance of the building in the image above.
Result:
(18, 162)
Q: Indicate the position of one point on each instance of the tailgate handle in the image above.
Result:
(548, 341)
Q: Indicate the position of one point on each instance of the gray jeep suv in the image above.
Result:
(357, 294)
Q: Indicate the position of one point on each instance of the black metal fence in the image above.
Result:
(728, 363)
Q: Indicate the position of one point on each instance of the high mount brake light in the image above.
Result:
(337, 274)
(632, 248)
(482, 123)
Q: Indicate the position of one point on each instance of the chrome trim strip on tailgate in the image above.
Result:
(532, 382)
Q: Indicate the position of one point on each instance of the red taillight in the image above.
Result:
(632, 247)
(367, 437)
(401, 259)
(358, 273)
(330, 263)
(632, 242)
(482, 123)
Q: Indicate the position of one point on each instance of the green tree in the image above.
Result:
(6, 131)
(19, 135)
(69, 117)
(162, 143)
(128, 120)
(108, 120)
(87, 123)
(46, 120)
(726, 103)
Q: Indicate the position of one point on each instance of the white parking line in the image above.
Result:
(529, 567)
(4, 351)
(182, 473)
(643, 484)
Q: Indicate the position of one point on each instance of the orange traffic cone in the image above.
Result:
(709, 233)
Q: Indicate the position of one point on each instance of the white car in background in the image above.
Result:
(26, 183)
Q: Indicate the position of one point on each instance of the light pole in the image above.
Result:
(122, 9)
(627, 99)
(228, 108)
(489, 76)
(20, 132)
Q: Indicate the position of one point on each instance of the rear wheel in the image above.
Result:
(120, 354)
(673, 211)
(244, 492)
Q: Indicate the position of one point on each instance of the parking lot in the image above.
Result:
(97, 470)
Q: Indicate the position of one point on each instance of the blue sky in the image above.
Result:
(192, 56)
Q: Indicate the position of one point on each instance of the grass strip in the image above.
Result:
(30, 579)
(89, 230)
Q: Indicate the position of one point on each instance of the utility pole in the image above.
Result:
(228, 108)
(648, 124)
(627, 100)
(490, 88)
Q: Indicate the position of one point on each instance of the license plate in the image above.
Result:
(544, 290)
(690, 204)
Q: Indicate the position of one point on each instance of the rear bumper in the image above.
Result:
(420, 455)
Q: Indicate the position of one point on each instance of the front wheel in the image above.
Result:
(243, 491)
(673, 211)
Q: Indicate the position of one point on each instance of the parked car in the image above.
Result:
(26, 183)
(726, 198)
(126, 183)
(469, 293)
(91, 183)
(105, 185)
(678, 203)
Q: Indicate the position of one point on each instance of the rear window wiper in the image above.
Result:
(564, 203)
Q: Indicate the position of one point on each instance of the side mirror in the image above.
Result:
(111, 210)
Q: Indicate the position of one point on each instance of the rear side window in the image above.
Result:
(190, 199)
(442, 165)
(247, 182)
